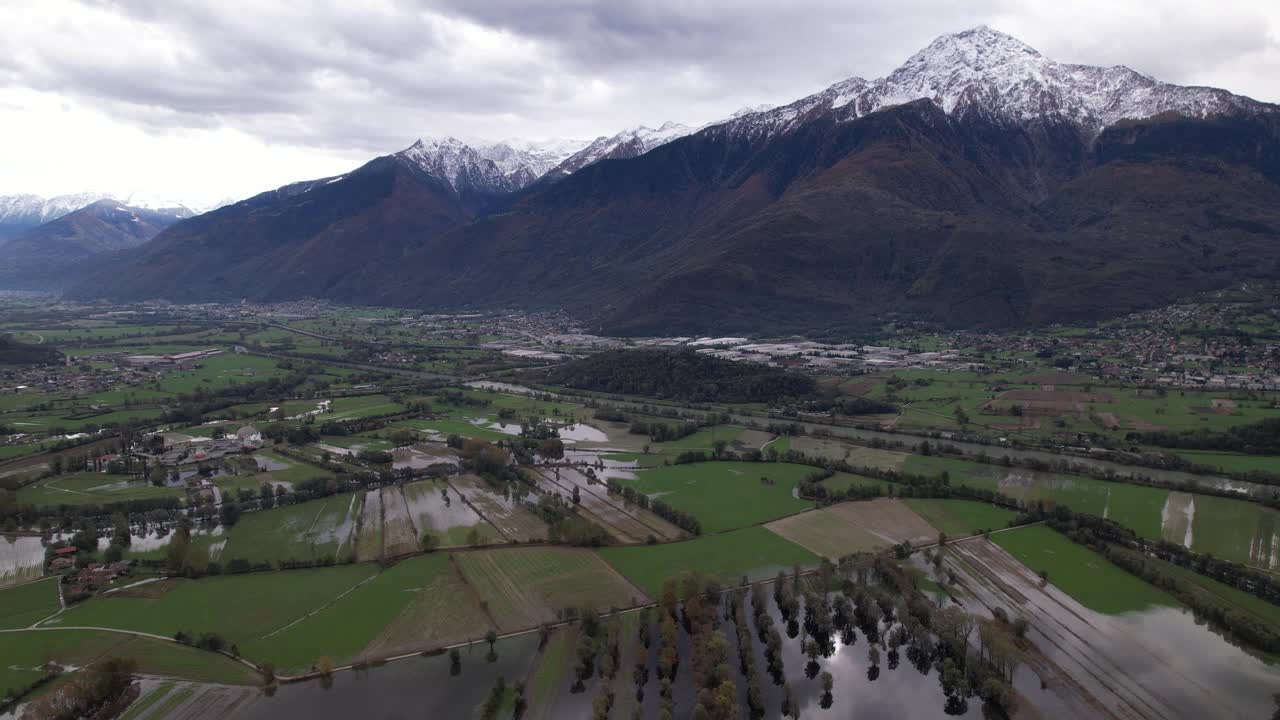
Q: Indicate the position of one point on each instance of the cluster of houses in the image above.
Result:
(90, 578)
(201, 449)
(95, 576)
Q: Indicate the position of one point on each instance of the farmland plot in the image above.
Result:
(442, 611)
(523, 587)
(399, 536)
(294, 532)
(509, 516)
(369, 545)
(887, 519)
(827, 534)
(595, 504)
(437, 509)
(856, 455)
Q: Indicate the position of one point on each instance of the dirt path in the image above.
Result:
(345, 593)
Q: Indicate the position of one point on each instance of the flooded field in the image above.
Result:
(622, 523)
(887, 683)
(169, 700)
(435, 507)
(266, 464)
(421, 457)
(1137, 665)
(399, 534)
(369, 543)
(508, 515)
(417, 687)
(582, 432)
(332, 532)
(21, 559)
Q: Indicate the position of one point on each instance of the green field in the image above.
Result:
(726, 495)
(25, 652)
(241, 608)
(350, 408)
(305, 531)
(753, 551)
(523, 587)
(44, 422)
(342, 630)
(449, 426)
(1228, 528)
(781, 444)
(959, 518)
(25, 605)
(1233, 462)
(221, 371)
(842, 481)
(1081, 573)
(703, 439)
(91, 488)
(295, 472)
(1224, 595)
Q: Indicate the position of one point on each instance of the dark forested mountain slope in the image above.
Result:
(303, 240)
(979, 184)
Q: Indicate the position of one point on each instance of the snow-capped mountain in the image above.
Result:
(484, 167)
(20, 213)
(161, 203)
(42, 210)
(626, 144)
(54, 254)
(995, 74)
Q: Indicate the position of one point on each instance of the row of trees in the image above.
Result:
(657, 506)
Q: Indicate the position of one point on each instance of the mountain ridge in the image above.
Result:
(970, 185)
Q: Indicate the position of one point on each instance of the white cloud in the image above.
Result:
(206, 100)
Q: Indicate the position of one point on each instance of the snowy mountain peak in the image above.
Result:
(980, 47)
(994, 74)
(41, 210)
(629, 143)
(486, 167)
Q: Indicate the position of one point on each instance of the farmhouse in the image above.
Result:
(249, 435)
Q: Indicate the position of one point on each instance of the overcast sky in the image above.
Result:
(202, 100)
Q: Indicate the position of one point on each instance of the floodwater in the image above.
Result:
(429, 509)
(418, 687)
(418, 459)
(582, 432)
(21, 559)
(1156, 663)
(423, 687)
(504, 428)
(266, 464)
(340, 531)
(500, 387)
(335, 450)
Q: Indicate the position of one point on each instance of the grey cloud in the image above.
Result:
(373, 77)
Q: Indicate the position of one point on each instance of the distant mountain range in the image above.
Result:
(21, 213)
(56, 254)
(980, 183)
